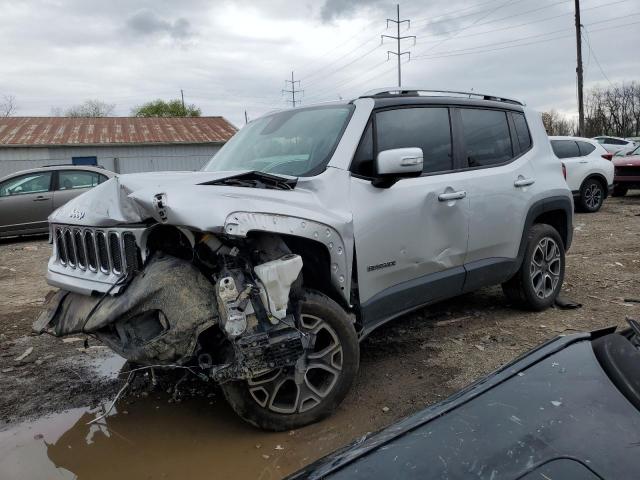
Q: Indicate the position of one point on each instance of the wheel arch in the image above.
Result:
(311, 240)
(556, 211)
(600, 178)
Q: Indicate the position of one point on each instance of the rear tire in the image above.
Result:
(538, 281)
(591, 195)
(619, 191)
(279, 401)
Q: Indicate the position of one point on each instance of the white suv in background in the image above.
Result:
(616, 144)
(589, 170)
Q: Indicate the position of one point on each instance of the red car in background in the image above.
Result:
(627, 172)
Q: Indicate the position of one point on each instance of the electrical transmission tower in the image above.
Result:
(398, 39)
(293, 90)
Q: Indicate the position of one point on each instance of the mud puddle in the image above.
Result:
(151, 438)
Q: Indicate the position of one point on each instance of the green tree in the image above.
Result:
(160, 108)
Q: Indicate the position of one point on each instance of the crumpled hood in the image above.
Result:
(133, 198)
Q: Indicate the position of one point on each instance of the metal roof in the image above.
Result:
(67, 131)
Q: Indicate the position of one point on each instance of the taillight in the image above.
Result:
(607, 156)
(564, 171)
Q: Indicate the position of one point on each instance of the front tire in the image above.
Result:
(292, 397)
(538, 281)
(591, 195)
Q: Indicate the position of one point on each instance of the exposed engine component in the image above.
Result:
(261, 352)
(233, 306)
(276, 277)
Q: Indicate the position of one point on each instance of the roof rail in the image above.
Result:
(414, 92)
(69, 165)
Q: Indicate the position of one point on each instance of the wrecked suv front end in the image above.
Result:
(240, 274)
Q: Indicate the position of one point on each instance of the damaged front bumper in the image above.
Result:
(156, 319)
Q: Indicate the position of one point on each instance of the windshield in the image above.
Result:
(295, 142)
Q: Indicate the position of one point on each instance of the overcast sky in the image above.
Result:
(232, 56)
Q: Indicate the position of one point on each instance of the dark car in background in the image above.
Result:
(28, 197)
(626, 173)
(569, 409)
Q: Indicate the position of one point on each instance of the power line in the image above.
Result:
(324, 67)
(591, 52)
(398, 53)
(360, 33)
(470, 25)
(326, 74)
(510, 27)
(293, 90)
(462, 52)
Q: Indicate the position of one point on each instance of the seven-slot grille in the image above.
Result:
(97, 250)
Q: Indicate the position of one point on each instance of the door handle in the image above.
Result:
(446, 197)
(583, 161)
(524, 182)
(40, 199)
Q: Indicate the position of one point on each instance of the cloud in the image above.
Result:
(147, 23)
(334, 9)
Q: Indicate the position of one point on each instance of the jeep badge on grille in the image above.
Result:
(76, 214)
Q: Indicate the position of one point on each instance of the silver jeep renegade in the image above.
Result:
(308, 230)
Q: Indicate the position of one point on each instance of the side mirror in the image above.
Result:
(392, 165)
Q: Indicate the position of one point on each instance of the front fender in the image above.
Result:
(339, 248)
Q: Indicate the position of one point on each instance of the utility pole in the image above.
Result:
(581, 131)
(398, 39)
(293, 90)
(182, 95)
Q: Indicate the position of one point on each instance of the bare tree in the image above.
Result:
(91, 108)
(556, 124)
(614, 110)
(8, 106)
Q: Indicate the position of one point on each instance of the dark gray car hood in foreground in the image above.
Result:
(129, 199)
(553, 414)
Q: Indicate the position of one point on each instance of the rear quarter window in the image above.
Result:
(522, 131)
(585, 148)
(565, 148)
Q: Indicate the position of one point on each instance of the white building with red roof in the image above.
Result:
(119, 144)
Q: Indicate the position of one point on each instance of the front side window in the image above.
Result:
(486, 136)
(31, 183)
(565, 148)
(74, 179)
(294, 142)
(427, 128)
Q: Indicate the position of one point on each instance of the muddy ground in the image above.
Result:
(413, 362)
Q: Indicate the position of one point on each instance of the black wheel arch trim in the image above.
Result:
(550, 204)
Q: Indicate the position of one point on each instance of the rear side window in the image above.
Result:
(427, 128)
(74, 179)
(486, 136)
(565, 148)
(585, 148)
(522, 131)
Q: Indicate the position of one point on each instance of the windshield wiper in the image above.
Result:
(256, 179)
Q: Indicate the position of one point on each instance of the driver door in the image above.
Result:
(411, 238)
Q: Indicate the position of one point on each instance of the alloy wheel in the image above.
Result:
(593, 195)
(545, 267)
(299, 388)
